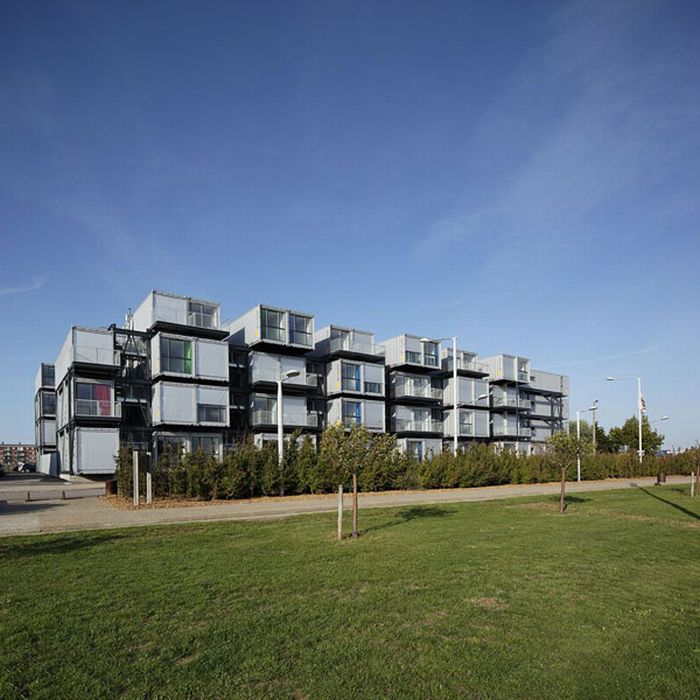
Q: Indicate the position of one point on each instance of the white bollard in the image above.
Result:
(136, 479)
(692, 484)
(149, 488)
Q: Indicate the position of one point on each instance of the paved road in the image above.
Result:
(56, 515)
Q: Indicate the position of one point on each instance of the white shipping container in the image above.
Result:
(95, 450)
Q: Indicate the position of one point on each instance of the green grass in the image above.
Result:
(500, 599)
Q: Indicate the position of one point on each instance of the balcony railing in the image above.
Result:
(351, 345)
(427, 425)
(97, 408)
(351, 421)
(420, 392)
(267, 417)
(507, 401)
(271, 375)
(468, 365)
(201, 319)
(96, 356)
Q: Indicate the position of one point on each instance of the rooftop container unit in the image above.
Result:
(189, 357)
(548, 382)
(467, 362)
(179, 314)
(268, 325)
(509, 368)
(412, 350)
(45, 377)
(336, 341)
(91, 348)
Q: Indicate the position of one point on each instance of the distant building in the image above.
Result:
(12, 454)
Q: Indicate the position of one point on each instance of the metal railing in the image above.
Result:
(421, 392)
(428, 425)
(201, 319)
(97, 408)
(351, 421)
(498, 430)
(507, 401)
(267, 417)
(351, 345)
(96, 356)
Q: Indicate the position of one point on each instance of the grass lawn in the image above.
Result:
(500, 599)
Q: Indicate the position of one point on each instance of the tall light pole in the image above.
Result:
(593, 409)
(640, 451)
(578, 437)
(281, 378)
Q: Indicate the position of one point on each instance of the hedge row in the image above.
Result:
(247, 471)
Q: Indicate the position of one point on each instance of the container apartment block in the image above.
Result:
(175, 374)
(272, 343)
(354, 377)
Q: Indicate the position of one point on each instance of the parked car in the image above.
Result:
(25, 467)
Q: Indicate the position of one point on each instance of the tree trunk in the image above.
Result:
(562, 496)
(354, 506)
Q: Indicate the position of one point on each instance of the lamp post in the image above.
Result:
(281, 378)
(578, 437)
(640, 451)
(593, 410)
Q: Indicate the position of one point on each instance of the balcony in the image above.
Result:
(96, 356)
(260, 374)
(348, 344)
(201, 319)
(266, 417)
(417, 392)
(410, 425)
(94, 408)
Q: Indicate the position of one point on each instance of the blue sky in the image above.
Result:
(525, 175)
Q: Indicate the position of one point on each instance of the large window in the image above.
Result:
(350, 377)
(300, 330)
(373, 388)
(415, 449)
(93, 399)
(413, 357)
(176, 355)
(264, 410)
(272, 325)
(211, 413)
(352, 413)
(48, 375)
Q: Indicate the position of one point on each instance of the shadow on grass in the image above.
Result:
(414, 513)
(63, 544)
(683, 510)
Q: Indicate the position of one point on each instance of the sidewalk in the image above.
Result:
(92, 513)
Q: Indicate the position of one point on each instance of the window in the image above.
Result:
(48, 375)
(264, 410)
(176, 355)
(415, 449)
(272, 323)
(350, 377)
(93, 399)
(48, 404)
(373, 388)
(430, 350)
(209, 444)
(210, 413)
(170, 445)
(300, 330)
(202, 315)
(352, 413)
(413, 357)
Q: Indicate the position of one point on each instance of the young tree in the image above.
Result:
(563, 452)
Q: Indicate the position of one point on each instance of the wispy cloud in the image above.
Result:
(588, 117)
(36, 283)
(605, 358)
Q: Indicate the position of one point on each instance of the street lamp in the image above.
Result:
(640, 451)
(578, 437)
(281, 378)
(593, 409)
